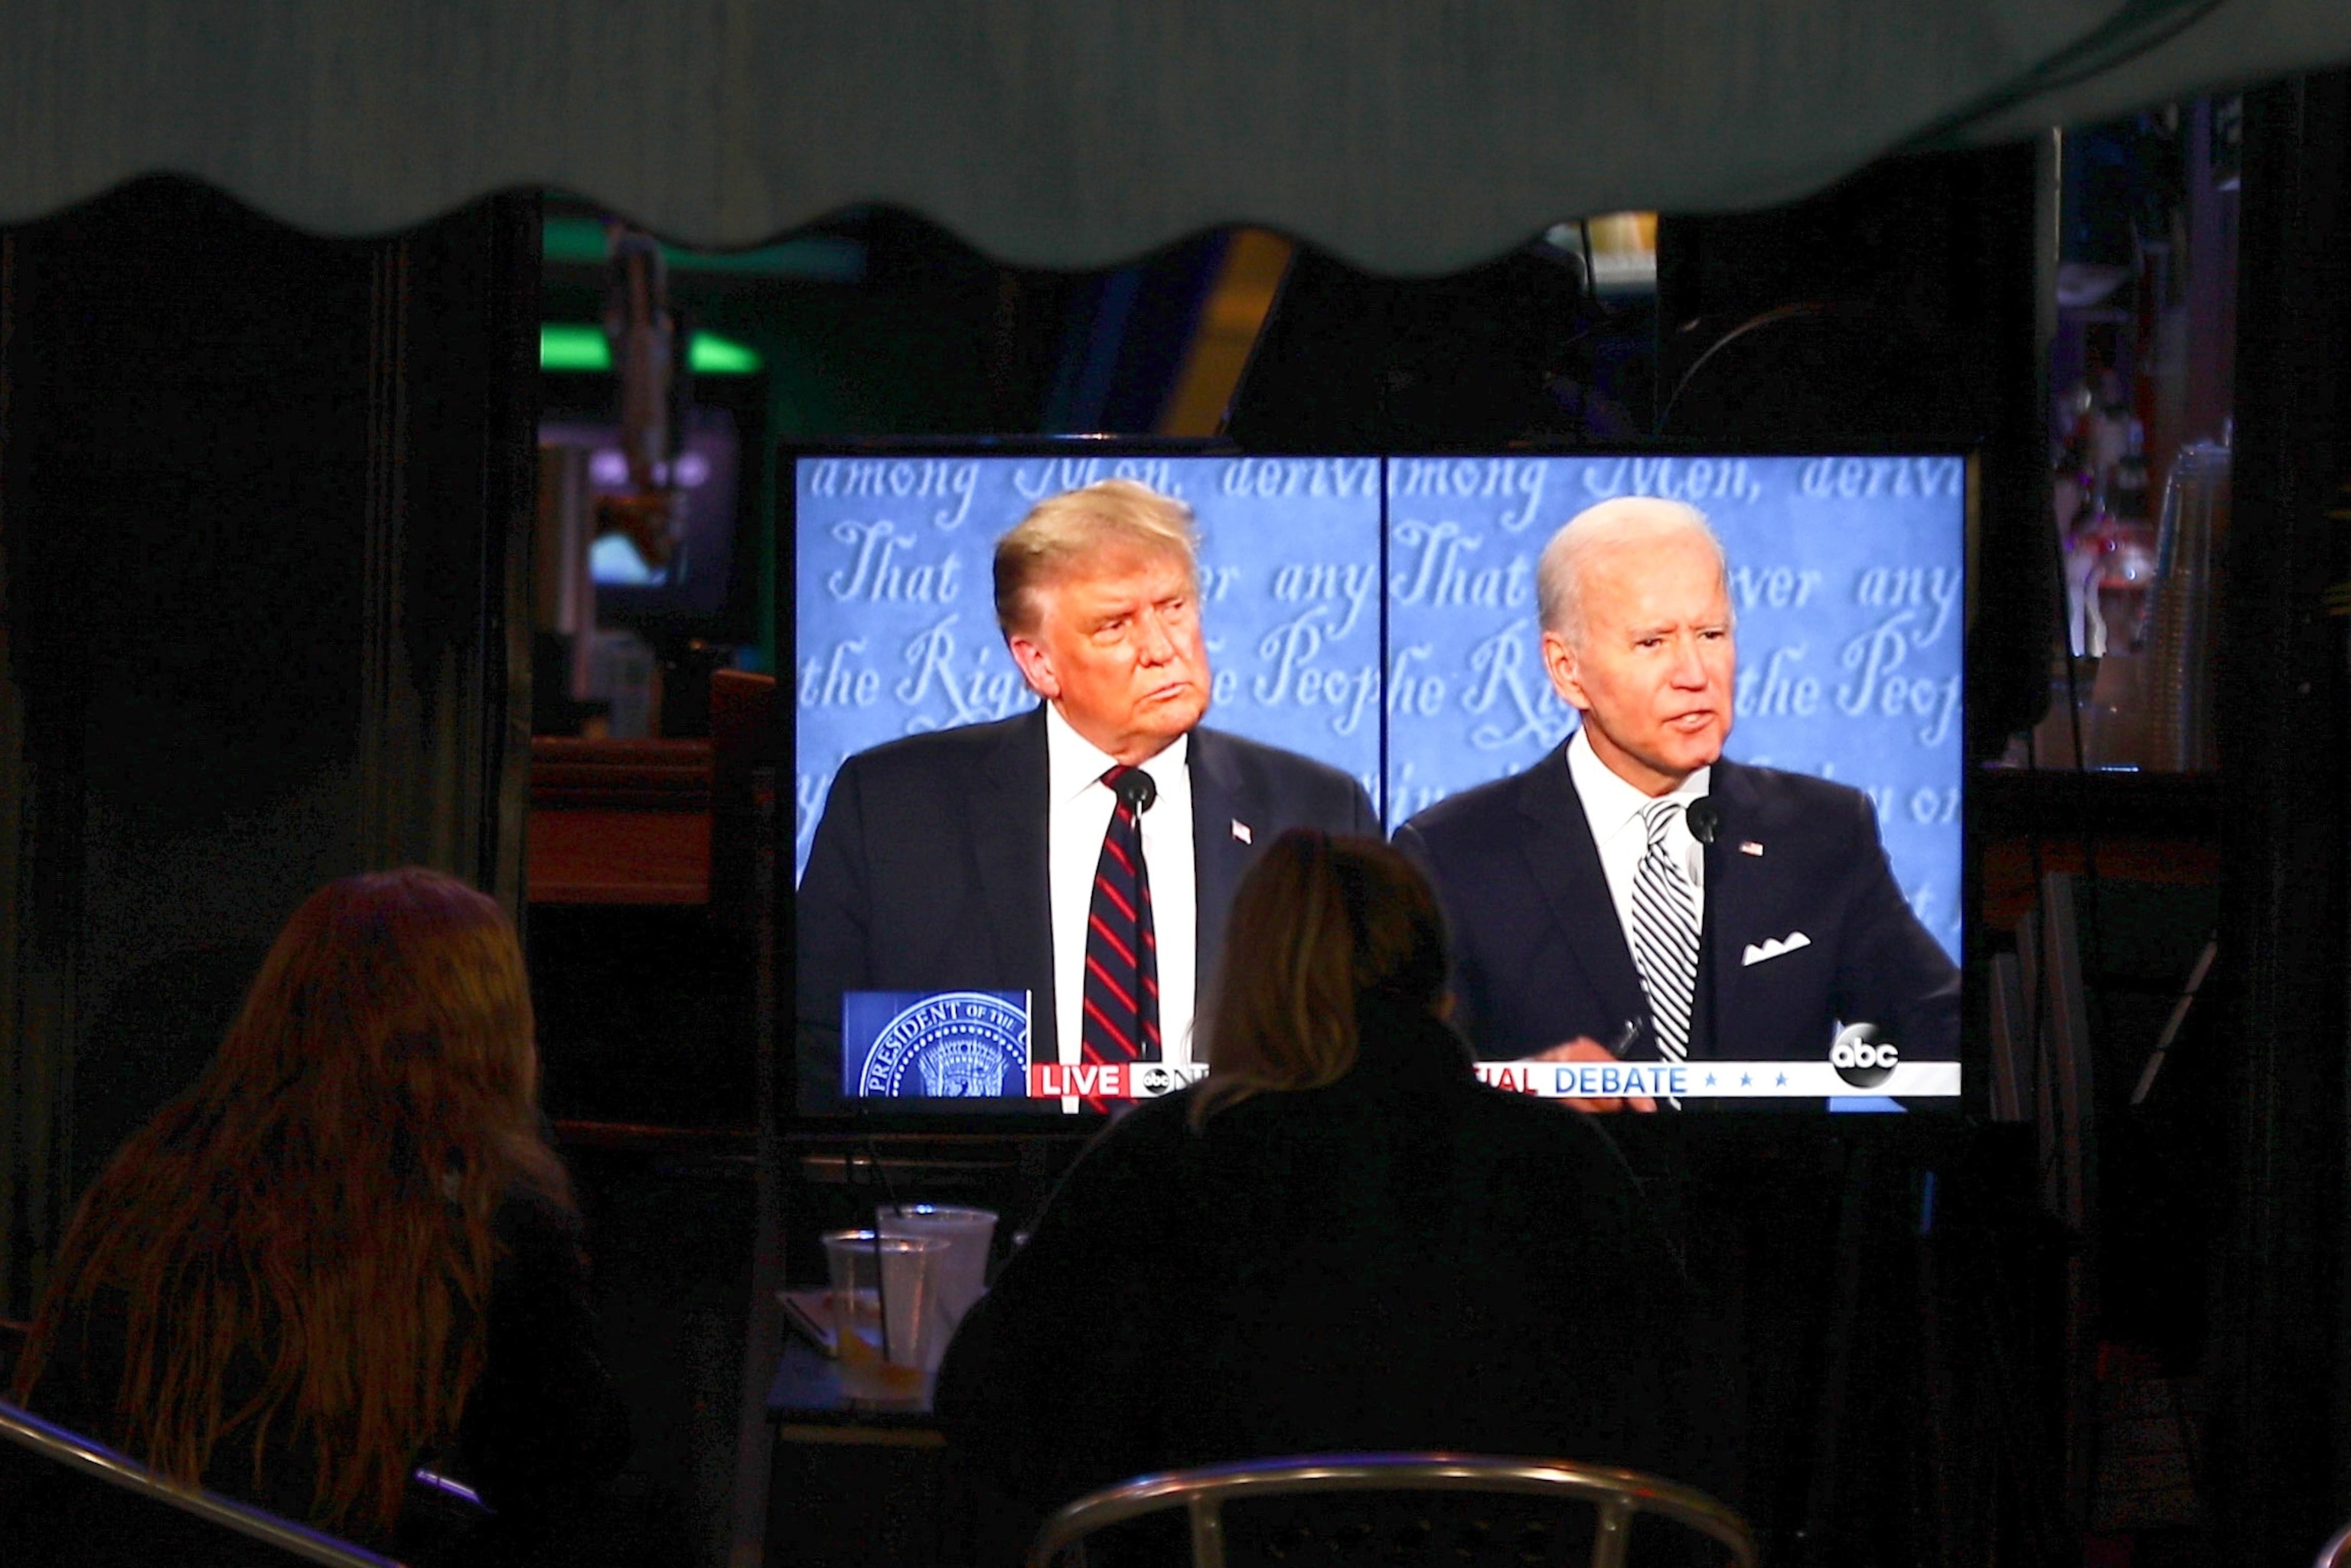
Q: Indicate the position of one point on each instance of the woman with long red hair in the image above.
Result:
(348, 1246)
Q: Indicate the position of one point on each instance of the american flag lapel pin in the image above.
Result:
(1749, 847)
(1241, 830)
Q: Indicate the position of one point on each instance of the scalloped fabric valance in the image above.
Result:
(1408, 136)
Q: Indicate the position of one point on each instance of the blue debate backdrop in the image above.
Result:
(1847, 582)
(896, 629)
(1847, 576)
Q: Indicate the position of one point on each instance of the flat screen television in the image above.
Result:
(1376, 612)
(708, 589)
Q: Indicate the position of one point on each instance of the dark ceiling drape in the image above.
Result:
(1406, 135)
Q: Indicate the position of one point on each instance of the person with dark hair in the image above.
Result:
(347, 1248)
(1339, 1239)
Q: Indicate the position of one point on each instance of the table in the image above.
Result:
(854, 1483)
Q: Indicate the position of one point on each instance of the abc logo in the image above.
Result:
(1861, 1058)
(1153, 1078)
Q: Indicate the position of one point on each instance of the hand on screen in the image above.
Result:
(1584, 1048)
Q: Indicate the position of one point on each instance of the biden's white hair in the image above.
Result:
(1626, 519)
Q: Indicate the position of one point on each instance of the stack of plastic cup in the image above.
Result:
(962, 1275)
(886, 1321)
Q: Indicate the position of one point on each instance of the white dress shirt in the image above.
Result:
(1611, 808)
(1078, 816)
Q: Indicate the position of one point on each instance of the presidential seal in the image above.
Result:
(951, 1045)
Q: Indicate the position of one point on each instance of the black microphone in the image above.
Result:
(1705, 820)
(1137, 788)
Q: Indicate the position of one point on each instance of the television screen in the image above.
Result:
(1369, 623)
(691, 587)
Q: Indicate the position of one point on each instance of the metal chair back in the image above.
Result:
(1618, 1496)
(179, 1520)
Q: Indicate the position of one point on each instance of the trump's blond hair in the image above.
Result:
(1062, 532)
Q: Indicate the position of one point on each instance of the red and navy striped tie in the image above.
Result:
(1122, 1007)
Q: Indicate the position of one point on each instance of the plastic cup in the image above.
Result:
(963, 1274)
(886, 1312)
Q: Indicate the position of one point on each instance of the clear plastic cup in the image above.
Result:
(963, 1274)
(886, 1311)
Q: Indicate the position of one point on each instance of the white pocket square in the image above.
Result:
(1757, 952)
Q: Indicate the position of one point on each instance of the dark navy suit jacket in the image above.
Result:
(929, 869)
(1540, 957)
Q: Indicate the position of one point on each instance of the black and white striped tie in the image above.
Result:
(1664, 933)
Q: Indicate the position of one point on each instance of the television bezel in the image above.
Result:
(902, 1117)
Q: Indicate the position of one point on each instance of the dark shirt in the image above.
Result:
(542, 1427)
(1404, 1259)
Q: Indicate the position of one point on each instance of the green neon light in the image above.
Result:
(817, 258)
(712, 355)
(565, 346)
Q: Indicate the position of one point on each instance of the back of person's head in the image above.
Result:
(1321, 927)
(320, 1201)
